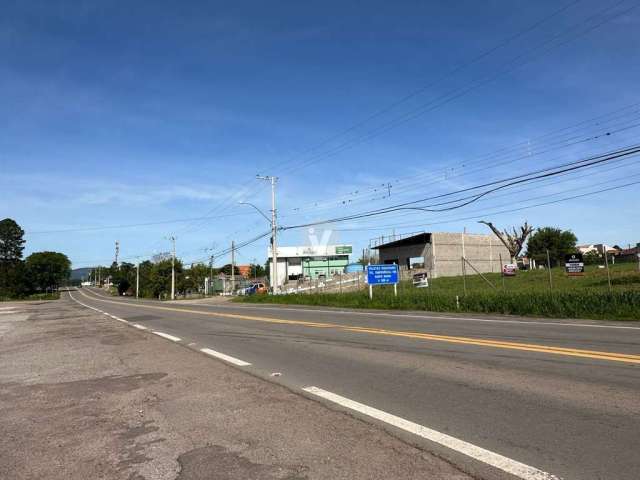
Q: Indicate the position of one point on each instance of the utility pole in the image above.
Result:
(173, 268)
(274, 230)
(233, 267)
(211, 272)
(138, 279)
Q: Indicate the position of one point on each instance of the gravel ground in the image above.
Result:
(83, 396)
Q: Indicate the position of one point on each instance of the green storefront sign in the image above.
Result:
(344, 249)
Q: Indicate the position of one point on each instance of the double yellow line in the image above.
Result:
(572, 352)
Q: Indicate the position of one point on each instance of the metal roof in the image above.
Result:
(418, 239)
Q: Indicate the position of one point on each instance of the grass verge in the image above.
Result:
(585, 303)
(34, 297)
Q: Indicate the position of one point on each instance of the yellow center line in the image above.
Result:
(572, 352)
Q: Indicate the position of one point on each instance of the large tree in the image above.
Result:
(12, 281)
(558, 242)
(513, 241)
(46, 271)
(11, 241)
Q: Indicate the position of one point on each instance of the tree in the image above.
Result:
(12, 283)
(11, 241)
(257, 270)
(558, 242)
(513, 241)
(227, 270)
(47, 270)
(123, 286)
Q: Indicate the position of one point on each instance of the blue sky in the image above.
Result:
(116, 113)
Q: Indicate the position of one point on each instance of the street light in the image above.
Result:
(257, 209)
(274, 229)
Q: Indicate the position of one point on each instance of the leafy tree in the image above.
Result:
(11, 241)
(47, 270)
(592, 257)
(257, 270)
(227, 270)
(558, 242)
(123, 286)
(160, 278)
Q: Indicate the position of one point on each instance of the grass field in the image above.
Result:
(528, 293)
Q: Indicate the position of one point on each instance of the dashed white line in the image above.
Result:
(226, 358)
(520, 470)
(167, 336)
(9, 312)
(139, 327)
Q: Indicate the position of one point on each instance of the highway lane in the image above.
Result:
(576, 417)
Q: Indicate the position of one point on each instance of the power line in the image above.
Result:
(496, 185)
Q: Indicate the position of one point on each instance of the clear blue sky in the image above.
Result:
(118, 113)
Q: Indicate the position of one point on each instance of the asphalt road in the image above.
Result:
(561, 397)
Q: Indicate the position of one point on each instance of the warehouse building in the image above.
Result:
(316, 261)
(441, 254)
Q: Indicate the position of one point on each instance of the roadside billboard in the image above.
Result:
(574, 264)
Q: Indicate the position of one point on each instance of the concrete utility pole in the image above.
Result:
(173, 267)
(211, 273)
(274, 230)
(138, 279)
(233, 267)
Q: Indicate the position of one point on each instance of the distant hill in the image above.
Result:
(80, 273)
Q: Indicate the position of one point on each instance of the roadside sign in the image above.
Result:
(574, 264)
(382, 274)
(420, 280)
(509, 270)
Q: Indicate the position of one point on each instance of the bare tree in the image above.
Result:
(513, 241)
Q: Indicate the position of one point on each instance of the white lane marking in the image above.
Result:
(139, 327)
(227, 358)
(7, 308)
(97, 310)
(520, 470)
(9, 312)
(423, 317)
(167, 336)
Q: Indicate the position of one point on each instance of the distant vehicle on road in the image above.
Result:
(256, 288)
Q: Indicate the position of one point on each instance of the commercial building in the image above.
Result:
(441, 254)
(313, 262)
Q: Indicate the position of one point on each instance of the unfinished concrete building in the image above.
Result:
(441, 254)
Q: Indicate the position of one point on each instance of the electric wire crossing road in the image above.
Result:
(175, 319)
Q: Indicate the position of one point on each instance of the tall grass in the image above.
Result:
(527, 294)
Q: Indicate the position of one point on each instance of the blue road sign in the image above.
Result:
(382, 274)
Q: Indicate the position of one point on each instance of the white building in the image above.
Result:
(311, 261)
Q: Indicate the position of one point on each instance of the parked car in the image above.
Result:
(256, 288)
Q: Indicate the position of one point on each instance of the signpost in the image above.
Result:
(509, 270)
(421, 280)
(574, 264)
(382, 275)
